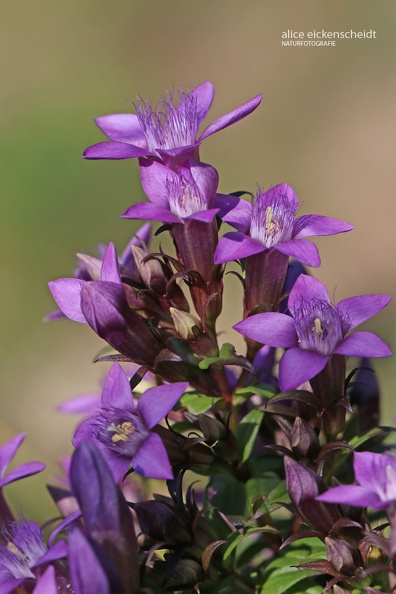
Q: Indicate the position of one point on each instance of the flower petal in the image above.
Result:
(155, 403)
(234, 211)
(232, 117)
(67, 294)
(8, 451)
(298, 366)
(356, 310)
(301, 249)
(87, 573)
(205, 216)
(272, 329)
(204, 94)
(370, 468)
(205, 176)
(140, 239)
(235, 245)
(83, 404)
(47, 582)
(313, 225)
(351, 495)
(110, 270)
(122, 127)
(22, 471)
(117, 390)
(114, 150)
(154, 177)
(151, 459)
(306, 288)
(150, 211)
(363, 344)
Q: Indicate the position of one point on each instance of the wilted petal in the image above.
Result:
(232, 117)
(67, 294)
(122, 127)
(273, 329)
(155, 403)
(313, 225)
(305, 288)
(151, 459)
(114, 150)
(355, 310)
(298, 366)
(363, 344)
(301, 249)
(235, 245)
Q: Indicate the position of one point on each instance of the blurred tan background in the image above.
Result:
(326, 125)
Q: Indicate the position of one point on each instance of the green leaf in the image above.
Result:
(227, 356)
(359, 440)
(281, 580)
(197, 403)
(247, 431)
(265, 390)
(278, 495)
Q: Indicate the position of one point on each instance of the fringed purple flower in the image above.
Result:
(269, 223)
(316, 330)
(167, 132)
(376, 475)
(123, 432)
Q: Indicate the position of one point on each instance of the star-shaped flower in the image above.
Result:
(315, 330)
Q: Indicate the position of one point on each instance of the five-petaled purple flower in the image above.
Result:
(316, 330)
(167, 132)
(123, 433)
(270, 223)
(376, 475)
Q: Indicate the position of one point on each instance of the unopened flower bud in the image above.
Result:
(187, 325)
(303, 439)
(342, 555)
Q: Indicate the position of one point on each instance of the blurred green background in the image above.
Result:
(326, 125)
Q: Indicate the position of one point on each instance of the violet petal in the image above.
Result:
(155, 403)
(235, 245)
(47, 582)
(154, 177)
(204, 94)
(22, 471)
(272, 329)
(234, 211)
(363, 344)
(298, 366)
(301, 249)
(114, 150)
(151, 212)
(313, 225)
(305, 288)
(355, 310)
(87, 574)
(151, 460)
(122, 127)
(8, 451)
(116, 391)
(67, 294)
(351, 495)
(110, 271)
(232, 117)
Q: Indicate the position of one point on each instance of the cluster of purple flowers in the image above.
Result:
(274, 427)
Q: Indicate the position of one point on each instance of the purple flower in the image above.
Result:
(24, 551)
(269, 223)
(178, 196)
(7, 452)
(123, 432)
(376, 475)
(166, 132)
(316, 330)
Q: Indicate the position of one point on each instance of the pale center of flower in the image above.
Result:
(184, 198)
(121, 431)
(23, 549)
(168, 126)
(272, 218)
(386, 489)
(318, 326)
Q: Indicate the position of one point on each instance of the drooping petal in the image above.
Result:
(305, 288)
(298, 366)
(363, 344)
(232, 117)
(117, 390)
(351, 495)
(234, 211)
(355, 310)
(22, 471)
(204, 94)
(312, 225)
(67, 294)
(301, 249)
(235, 245)
(122, 127)
(272, 329)
(8, 451)
(151, 459)
(114, 150)
(110, 271)
(155, 403)
(151, 212)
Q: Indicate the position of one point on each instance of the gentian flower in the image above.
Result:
(24, 551)
(376, 475)
(269, 223)
(316, 330)
(7, 452)
(123, 432)
(168, 132)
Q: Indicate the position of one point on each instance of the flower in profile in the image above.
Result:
(376, 475)
(315, 330)
(176, 197)
(22, 551)
(270, 223)
(123, 433)
(167, 132)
